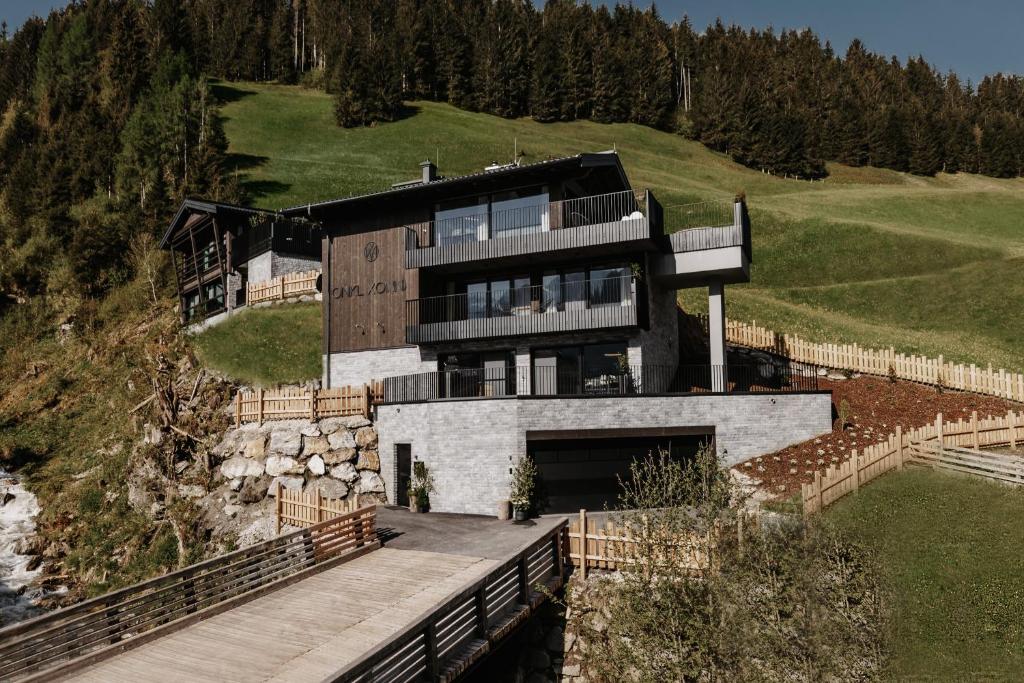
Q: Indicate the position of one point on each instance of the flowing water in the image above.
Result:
(18, 588)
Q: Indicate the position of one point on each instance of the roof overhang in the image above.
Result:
(193, 207)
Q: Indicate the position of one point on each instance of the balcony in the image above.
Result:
(708, 240)
(614, 221)
(557, 307)
(639, 380)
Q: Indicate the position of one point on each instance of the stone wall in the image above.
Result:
(336, 455)
(470, 445)
(269, 265)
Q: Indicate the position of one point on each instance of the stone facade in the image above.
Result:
(354, 368)
(270, 264)
(470, 445)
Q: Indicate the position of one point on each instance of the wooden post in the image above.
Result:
(524, 581)
(366, 401)
(238, 410)
(1013, 428)
(817, 491)
(259, 406)
(319, 498)
(899, 447)
(480, 606)
(433, 664)
(278, 508)
(974, 428)
(938, 430)
(582, 545)
(855, 460)
(312, 405)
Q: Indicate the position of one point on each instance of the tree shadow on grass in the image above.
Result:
(241, 164)
(227, 93)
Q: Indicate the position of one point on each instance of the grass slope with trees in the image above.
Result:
(928, 265)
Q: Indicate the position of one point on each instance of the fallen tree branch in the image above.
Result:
(149, 399)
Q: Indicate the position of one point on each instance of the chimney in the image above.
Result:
(429, 171)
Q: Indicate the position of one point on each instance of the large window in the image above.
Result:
(505, 214)
(589, 369)
(467, 374)
(609, 287)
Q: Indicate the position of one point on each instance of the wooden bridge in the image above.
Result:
(325, 603)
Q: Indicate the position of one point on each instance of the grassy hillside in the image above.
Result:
(929, 265)
(950, 547)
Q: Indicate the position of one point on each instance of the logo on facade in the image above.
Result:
(371, 251)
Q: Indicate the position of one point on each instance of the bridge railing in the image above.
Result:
(448, 641)
(76, 636)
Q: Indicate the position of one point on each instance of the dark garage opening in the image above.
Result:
(584, 472)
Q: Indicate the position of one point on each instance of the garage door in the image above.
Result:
(585, 472)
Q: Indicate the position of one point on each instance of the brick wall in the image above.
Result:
(470, 445)
(360, 367)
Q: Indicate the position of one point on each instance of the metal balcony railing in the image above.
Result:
(564, 224)
(551, 307)
(708, 225)
(638, 380)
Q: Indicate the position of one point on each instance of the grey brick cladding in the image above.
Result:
(359, 367)
(470, 445)
(269, 265)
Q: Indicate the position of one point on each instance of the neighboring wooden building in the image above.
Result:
(218, 248)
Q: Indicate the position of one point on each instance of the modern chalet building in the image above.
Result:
(218, 248)
(532, 309)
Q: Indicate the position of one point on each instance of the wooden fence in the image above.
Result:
(466, 626)
(892, 454)
(291, 284)
(613, 545)
(1000, 466)
(71, 638)
(295, 403)
(881, 362)
(308, 508)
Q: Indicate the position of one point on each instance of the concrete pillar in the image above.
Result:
(716, 336)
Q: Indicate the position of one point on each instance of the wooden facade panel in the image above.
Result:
(368, 283)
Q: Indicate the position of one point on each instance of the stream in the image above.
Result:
(18, 588)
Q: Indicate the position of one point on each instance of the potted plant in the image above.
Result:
(420, 487)
(523, 488)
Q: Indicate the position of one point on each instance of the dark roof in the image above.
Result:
(448, 185)
(192, 207)
(413, 189)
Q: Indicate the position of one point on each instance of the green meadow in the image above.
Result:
(928, 265)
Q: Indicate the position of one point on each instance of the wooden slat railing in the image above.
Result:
(613, 546)
(879, 362)
(308, 508)
(282, 287)
(836, 482)
(468, 624)
(296, 403)
(73, 637)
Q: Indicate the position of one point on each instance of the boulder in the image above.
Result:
(315, 445)
(339, 456)
(333, 424)
(283, 464)
(285, 442)
(290, 483)
(236, 467)
(232, 510)
(311, 429)
(236, 484)
(346, 471)
(366, 437)
(370, 482)
(341, 439)
(368, 460)
(255, 447)
(254, 489)
(330, 488)
(191, 491)
(316, 465)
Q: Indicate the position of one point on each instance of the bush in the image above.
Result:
(781, 601)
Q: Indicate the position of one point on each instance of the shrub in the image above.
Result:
(781, 601)
(523, 489)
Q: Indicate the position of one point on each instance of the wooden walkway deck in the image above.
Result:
(305, 631)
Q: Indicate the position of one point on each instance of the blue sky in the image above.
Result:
(972, 38)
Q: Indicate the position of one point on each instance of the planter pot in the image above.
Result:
(503, 511)
(520, 514)
(416, 507)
